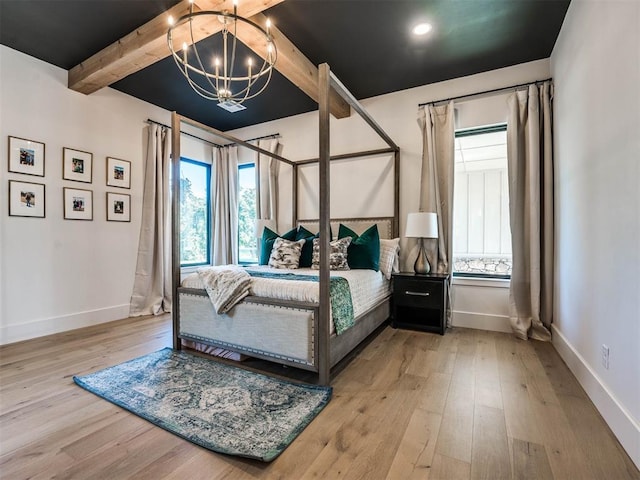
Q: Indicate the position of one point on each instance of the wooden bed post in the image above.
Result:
(396, 193)
(175, 226)
(324, 87)
(294, 196)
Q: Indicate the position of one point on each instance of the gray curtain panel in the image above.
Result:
(436, 182)
(267, 170)
(530, 171)
(224, 192)
(152, 285)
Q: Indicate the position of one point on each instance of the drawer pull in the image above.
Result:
(417, 294)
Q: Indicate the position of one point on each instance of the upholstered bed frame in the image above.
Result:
(298, 334)
(282, 331)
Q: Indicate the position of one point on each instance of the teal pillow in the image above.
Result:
(306, 258)
(268, 239)
(364, 251)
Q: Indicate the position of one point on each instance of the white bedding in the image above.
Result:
(368, 287)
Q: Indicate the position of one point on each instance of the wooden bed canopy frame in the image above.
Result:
(326, 82)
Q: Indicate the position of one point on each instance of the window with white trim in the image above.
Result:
(481, 231)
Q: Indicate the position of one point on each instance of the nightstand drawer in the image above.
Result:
(417, 293)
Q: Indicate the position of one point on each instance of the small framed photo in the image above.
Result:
(26, 199)
(77, 165)
(78, 204)
(118, 207)
(118, 173)
(26, 156)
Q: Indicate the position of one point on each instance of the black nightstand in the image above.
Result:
(420, 301)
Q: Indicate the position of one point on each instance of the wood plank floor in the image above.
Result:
(467, 405)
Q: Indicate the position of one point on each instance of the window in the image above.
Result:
(195, 213)
(247, 241)
(481, 232)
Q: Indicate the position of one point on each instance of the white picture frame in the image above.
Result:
(118, 173)
(26, 156)
(118, 207)
(77, 165)
(78, 203)
(26, 199)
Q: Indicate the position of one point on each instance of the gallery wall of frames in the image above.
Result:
(28, 197)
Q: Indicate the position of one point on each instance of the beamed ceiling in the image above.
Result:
(367, 43)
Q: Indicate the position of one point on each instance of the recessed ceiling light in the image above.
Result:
(422, 29)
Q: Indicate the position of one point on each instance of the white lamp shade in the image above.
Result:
(261, 223)
(422, 225)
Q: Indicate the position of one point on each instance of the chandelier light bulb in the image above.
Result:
(250, 61)
(170, 20)
(184, 46)
(422, 29)
(235, 3)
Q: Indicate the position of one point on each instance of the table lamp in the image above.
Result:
(422, 225)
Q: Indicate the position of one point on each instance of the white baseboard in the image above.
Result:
(481, 321)
(47, 326)
(621, 422)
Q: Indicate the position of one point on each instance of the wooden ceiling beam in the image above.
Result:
(148, 44)
(291, 63)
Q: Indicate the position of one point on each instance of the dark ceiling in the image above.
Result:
(367, 43)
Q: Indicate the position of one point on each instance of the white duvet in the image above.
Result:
(368, 287)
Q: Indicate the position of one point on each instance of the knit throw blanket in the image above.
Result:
(226, 285)
(339, 294)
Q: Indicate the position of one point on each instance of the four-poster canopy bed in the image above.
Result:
(289, 332)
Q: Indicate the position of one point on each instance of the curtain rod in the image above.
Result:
(486, 92)
(273, 135)
(184, 133)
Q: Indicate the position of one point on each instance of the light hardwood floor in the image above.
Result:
(467, 405)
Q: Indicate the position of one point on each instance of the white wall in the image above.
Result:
(596, 68)
(82, 272)
(397, 113)
(58, 274)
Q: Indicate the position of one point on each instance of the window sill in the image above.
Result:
(188, 270)
(482, 282)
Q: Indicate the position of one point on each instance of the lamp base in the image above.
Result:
(422, 267)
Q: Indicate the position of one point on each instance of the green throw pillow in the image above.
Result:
(307, 249)
(268, 238)
(364, 251)
(306, 258)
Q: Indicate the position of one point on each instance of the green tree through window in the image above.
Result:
(247, 242)
(195, 210)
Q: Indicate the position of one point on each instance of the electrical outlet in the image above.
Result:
(605, 356)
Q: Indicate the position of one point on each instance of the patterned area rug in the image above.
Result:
(219, 407)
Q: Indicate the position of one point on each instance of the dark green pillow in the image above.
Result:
(306, 257)
(364, 251)
(268, 239)
(307, 249)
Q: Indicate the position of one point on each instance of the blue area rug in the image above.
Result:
(220, 407)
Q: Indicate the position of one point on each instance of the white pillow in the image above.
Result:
(389, 256)
(285, 253)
